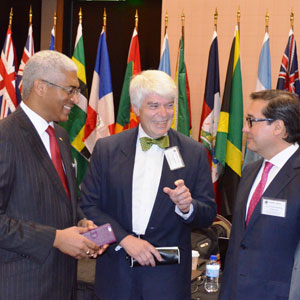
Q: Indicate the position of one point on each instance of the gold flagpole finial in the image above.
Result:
(267, 19)
(80, 16)
(10, 17)
(30, 15)
(238, 18)
(166, 21)
(136, 17)
(216, 19)
(54, 19)
(292, 20)
(182, 26)
(104, 19)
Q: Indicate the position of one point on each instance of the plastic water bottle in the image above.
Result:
(212, 275)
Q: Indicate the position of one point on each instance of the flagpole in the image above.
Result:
(10, 17)
(136, 17)
(292, 20)
(216, 19)
(80, 16)
(182, 27)
(54, 23)
(166, 22)
(104, 20)
(267, 21)
(30, 15)
(238, 18)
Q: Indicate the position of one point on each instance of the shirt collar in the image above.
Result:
(38, 122)
(282, 157)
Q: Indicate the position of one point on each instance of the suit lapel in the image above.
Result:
(167, 179)
(281, 180)
(38, 148)
(126, 161)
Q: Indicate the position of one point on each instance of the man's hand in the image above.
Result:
(181, 195)
(71, 242)
(141, 250)
(89, 224)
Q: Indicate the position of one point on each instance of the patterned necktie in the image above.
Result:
(259, 190)
(56, 158)
(162, 142)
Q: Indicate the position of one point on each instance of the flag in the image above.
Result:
(288, 78)
(100, 117)
(76, 122)
(263, 83)
(52, 39)
(164, 64)
(182, 117)
(27, 53)
(210, 113)
(8, 97)
(126, 118)
(229, 133)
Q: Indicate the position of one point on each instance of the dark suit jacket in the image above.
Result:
(107, 197)
(33, 204)
(260, 257)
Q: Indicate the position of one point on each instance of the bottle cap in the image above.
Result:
(213, 257)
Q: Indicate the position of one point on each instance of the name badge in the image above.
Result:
(174, 158)
(272, 207)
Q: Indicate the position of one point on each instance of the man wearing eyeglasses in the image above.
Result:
(40, 221)
(266, 220)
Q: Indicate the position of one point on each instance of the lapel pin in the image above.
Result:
(60, 138)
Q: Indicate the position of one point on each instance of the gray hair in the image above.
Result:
(151, 82)
(47, 65)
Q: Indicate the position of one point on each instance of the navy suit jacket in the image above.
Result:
(107, 197)
(33, 204)
(260, 257)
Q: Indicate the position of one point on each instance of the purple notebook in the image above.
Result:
(101, 235)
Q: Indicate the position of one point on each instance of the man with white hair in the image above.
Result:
(153, 185)
(40, 221)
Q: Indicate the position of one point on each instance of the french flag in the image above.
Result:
(100, 115)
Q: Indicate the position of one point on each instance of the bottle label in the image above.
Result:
(212, 270)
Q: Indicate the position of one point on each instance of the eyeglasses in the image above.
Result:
(70, 90)
(250, 120)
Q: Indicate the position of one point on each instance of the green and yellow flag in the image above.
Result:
(229, 133)
(76, 123)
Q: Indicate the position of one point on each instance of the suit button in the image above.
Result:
(243, 247)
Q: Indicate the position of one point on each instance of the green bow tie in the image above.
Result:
(161, 142)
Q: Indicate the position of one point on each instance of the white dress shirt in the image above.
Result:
(40, 125)
(145, 182)
(278, 162)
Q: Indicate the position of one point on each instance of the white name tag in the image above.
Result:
(174, 158)
(272, 207)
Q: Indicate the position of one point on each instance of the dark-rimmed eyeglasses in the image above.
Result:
(250, 120)
(70, 90)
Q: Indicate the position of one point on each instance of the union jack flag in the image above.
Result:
(27, 53)
(8, 98)
(288, 78)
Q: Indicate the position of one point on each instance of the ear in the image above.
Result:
(39, 87)
(136, 110)
(279, 128)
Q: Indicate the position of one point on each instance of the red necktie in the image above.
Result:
(56, 158)
(259, 190)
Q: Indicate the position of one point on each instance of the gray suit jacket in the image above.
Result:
(33, 204)
(260, 257)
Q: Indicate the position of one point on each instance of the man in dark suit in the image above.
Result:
(266, 221)
(39, 215)
(149, 200)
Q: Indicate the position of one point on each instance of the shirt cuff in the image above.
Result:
(182, 215)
